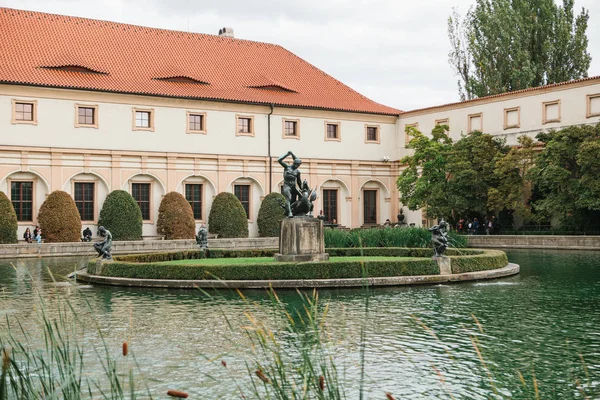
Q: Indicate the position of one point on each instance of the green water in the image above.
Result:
(541, 323)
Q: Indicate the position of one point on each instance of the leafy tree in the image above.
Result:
(449, 179)
(8, 221)
(507, 45)
(471, 168)
(513, 190)
(59, 218)
(175, 217)
(227, 217)
(566, 175)
(122, 216)
(423, 184)
(270, 215)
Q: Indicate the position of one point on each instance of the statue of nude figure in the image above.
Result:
(291, 181)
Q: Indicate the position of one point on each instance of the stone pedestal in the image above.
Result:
(444, 264)
(301, 240)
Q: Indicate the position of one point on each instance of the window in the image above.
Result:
(24, 112)
(330, 204)
(242, 192)
(332, 131)
(21, 195)
(475, 122)
(372, 133)
(141, 194)
(593, 105)
(143, 119)
(370, 206)
(244, 125)
(550, 111)
(512, 117)
(196, 122)
(193, 194)
(443, 121)
(84, 200)
(407, 135)
(86, 116)
(290, 129)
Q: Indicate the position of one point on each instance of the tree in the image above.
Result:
(423, 184)
(175, 217)
(59, 218)
(227, 217)
(447, 179)
(507, 45)
(8, 221)
(566, 176)
(513, 190)
(122, 216)
(270, 215)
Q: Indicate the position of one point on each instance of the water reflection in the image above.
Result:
(420, 340)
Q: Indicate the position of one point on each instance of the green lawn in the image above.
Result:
(263, 260)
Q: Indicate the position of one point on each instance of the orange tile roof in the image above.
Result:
(131, 59)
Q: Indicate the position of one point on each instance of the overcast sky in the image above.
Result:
(392, 51)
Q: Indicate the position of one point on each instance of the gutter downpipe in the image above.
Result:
(269, 147)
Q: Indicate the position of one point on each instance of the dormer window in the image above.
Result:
(75, 68)
(182, 79)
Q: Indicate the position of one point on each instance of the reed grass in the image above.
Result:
(393, 237)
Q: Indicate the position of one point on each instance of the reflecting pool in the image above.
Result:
(421, 342)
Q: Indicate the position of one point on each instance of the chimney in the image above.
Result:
(227, 32)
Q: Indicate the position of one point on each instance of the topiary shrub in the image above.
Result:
(270, 215)
(175, 217)
(8, 221)
(227, 217)
(122, 216)
(59, 218)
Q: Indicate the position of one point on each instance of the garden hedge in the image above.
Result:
(59, 218)
(273, 271)
(227, 217)
(155, 266)
(270, 215)
(122, 216)
(176, 218)
(8, 221)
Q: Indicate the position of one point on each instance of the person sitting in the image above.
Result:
(27, 236)
(387, 223)
(38, 237)
(87, 235)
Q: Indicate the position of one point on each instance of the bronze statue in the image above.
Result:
(103, 248)
(291, 178)
(304, 205)
(439, 238)
(202, 237)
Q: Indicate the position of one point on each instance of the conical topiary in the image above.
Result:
(8, 221)
(270, 215)
(227, 217)
(59, 218)
(122, 216)
(175, 217)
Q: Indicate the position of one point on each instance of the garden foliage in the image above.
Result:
(270, 215)
(8, 221)
(122, 216)
(59, 218)
(227, 217)
(392, 237)
(175, 217)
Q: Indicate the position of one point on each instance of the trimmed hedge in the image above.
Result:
(227, 217)
(122, 216)
(273, 271)
(59, 218)
(490, 259)
(8, 221)
(393, 237)
(194, 255)
(176, 217)
(270, 215)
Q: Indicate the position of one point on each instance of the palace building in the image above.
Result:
(90, 106)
